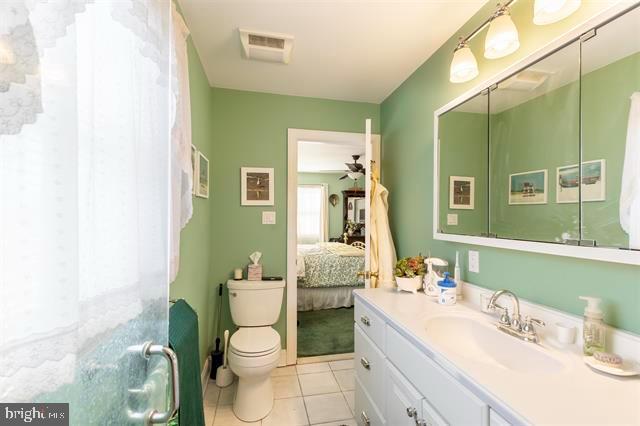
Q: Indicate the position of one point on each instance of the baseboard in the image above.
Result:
(324, 358)
(204, 376)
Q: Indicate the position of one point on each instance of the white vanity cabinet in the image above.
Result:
(398, 385)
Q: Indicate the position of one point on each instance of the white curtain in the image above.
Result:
(630, 188)
(313, 218)
(84, 178)
(181, 169)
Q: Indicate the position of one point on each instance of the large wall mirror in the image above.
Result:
(549, 153)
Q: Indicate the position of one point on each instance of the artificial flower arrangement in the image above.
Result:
(409, 272)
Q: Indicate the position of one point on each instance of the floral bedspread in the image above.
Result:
(324, 268)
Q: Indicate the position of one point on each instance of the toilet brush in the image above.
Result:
(224, 375)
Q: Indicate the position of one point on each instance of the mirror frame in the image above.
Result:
(624, 256)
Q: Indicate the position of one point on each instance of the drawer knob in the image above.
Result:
(365, 363)
(365, 419)
(412, 412)
(365, 320)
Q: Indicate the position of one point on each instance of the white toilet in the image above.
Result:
(254, 350)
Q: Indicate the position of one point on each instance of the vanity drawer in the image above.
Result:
(402, 398)
(370, 322)
(370, 367)
(430, 415)
(456, 404)
(366, 412)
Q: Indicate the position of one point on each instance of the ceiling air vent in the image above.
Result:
(269, 47)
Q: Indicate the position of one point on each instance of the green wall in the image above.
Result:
(336, 186)
(407, 127)
(251, 130)
(193, 283)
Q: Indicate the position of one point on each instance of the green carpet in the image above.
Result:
(325, 332)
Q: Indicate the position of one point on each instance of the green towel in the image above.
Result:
(183, 339)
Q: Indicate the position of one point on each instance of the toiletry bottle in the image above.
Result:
(447, 289)
(457, 277)
(593, 329)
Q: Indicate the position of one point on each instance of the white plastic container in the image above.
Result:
(447, 289)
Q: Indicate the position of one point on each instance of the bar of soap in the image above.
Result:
(608, 359)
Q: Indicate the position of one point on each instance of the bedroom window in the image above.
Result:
(312, 214)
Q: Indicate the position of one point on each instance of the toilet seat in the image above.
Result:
(254, 342)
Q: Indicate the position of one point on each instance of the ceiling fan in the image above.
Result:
(356, 170)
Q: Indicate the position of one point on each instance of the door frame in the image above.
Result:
(294, 136)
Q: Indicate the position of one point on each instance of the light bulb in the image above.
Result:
(547, 12)
(502, 37)
(464, 66)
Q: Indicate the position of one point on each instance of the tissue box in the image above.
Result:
(254, 272)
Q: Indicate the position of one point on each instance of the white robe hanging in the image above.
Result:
(383, 252)
(630, 187)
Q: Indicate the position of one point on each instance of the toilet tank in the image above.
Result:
(255, 303)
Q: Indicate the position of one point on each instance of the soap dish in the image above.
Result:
(628, 368)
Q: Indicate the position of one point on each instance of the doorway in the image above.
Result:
(326, 227)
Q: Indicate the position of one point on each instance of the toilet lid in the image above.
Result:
(255, 340)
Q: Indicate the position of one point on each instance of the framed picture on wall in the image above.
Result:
(194, 168)
(528, 187)
(257, 186)
(461, 193)
(202, 189)
(593, 182)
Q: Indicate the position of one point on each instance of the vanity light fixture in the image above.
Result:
(464, 66)
(547, 12)
(502, 37)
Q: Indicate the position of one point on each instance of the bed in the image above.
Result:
(327, 275)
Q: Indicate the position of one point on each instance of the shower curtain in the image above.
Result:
(630, 188)
(85, 93)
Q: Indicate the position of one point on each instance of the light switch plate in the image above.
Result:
(268, 218)
(474, 261)
(452, 219)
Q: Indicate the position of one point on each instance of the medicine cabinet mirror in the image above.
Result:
(507, 156)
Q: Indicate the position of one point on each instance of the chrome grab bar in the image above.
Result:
(149, 350)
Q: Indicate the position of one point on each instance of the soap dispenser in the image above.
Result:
(593, 329)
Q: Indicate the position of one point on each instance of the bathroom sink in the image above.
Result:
(481, 341)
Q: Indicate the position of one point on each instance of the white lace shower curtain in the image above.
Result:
(85, 108)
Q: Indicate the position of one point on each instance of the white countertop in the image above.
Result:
(576, 395)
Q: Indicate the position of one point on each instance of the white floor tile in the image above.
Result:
(346, 379)
(345, 364)
(209, 415)
(351, 400)
(349, 422)
(211, 395)
(285, 386)
(327, 408)
(227, 394)
(289, 370)
(225, 417)
(318, 383)
(287, 412)
(318, 367)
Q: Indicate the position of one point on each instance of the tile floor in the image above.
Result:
(318, 394)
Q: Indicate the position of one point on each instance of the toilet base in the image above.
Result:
(254, 398)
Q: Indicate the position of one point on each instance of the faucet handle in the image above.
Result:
(528, 324)
(504, 316)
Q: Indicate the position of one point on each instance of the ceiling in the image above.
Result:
(327, 157)
(356, 50)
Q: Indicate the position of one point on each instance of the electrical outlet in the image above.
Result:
(268, 218)
(452, 219)
(474, 261)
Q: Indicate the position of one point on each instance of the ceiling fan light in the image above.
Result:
(354, 175)
(502, 37)
(547, 12)
(464, 66)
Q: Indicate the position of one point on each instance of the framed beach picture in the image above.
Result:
(257, 186)
(202, 189)
(593, 182)
(528, 187)
(194, 168)
(461, 192)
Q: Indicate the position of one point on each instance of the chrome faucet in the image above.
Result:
(513, 324)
